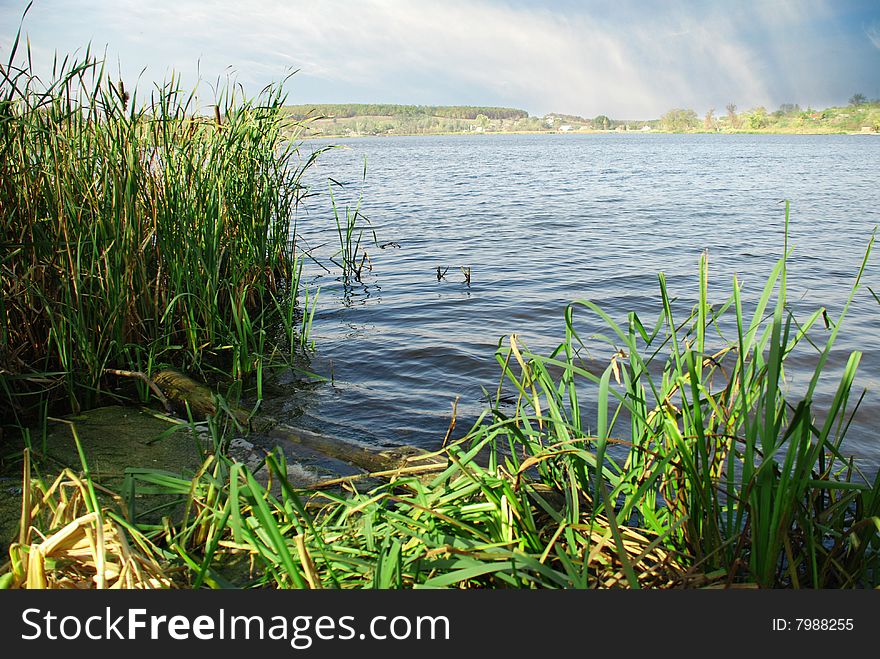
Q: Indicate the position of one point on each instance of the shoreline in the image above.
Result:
(590, 132)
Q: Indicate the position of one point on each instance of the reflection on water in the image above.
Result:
(543, 220)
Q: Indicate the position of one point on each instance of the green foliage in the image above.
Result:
(757, 118)
(721, 464)
(348, 110)
(359, 119)
(136, 231)
(602, 122)
(679, 119)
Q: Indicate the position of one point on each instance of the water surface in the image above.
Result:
(543, 220)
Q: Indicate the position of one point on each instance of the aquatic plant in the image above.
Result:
(721, 461)
(351, 256)
(136, 230)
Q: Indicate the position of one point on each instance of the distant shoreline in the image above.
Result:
(343, 121)
(591, 132)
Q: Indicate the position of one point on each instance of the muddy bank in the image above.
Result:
(117, 438)
(113, 439)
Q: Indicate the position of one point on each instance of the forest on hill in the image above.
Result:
(348, 110)
(358, 119)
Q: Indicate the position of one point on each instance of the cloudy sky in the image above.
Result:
(622, 58)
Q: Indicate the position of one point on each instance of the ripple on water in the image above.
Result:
(543, 220)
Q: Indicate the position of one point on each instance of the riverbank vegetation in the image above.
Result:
(137, 233)
(349, 119)
(695, 466)
(860, 116)
(349, 110)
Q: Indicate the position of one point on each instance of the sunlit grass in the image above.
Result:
(137, 231)
(719, 478)
(722, 463)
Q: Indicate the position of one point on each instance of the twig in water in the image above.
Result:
(466, 271)
(451, 422)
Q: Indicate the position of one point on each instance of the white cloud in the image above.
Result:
(547, 60)
(873, 32)
(636, 60)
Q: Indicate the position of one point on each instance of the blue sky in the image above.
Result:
(625, 59)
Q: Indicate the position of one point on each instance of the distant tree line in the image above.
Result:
(345, 119)
(348, 110)
(861, 114)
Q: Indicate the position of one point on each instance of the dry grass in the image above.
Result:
(79, 547)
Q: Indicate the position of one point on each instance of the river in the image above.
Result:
(542, 220)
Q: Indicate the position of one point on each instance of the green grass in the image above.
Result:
(692, 466)
(136, 231)
(722, 462)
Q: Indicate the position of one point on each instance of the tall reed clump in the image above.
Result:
(135, 230)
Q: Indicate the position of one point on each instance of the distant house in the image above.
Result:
(645, 129)
(566, 127)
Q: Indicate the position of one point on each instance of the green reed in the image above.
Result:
(465, 525)
(734, 472)
(135, 230)
(350, 228)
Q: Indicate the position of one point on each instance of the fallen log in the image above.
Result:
(182, 391)
(184, 394)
